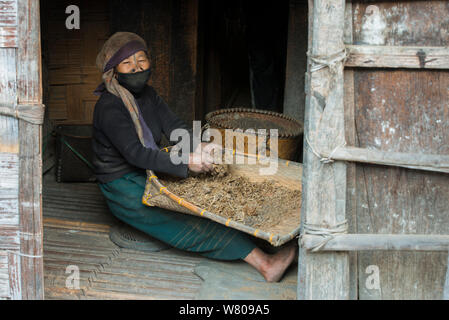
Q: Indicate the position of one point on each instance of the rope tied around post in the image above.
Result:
(331, 61)
(323, 159)
(327, 233)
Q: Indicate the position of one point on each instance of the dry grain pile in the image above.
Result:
(258, 205)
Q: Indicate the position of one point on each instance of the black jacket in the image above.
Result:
(116, 146)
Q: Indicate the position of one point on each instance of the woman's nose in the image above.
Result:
(136, 68)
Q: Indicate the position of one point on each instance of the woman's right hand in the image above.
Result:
(200, 161)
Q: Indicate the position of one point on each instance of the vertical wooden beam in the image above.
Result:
(170, 29)
(294, 97)
(351, 139)
(212, 67)
(446, 283)
(184, 59)
(9, 149)
(324, 275)
(14, 276)
(156, 29)
(29, 91)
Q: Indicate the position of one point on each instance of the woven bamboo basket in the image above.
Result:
(290, 130)
(288, 175)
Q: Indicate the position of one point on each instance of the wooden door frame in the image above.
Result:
(328, 211)
(30, 111)
(22, 112)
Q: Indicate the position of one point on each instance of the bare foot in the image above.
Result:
(278, 263)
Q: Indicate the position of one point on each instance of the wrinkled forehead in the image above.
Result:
(137, 55)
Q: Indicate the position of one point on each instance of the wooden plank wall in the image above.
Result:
(170, 29)
(403, 111)
(324, 275)
(294, 94)
(9, 147)
(70, 58)
(21, 268)
(29, 91)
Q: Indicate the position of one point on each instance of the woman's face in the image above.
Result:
(135, 63)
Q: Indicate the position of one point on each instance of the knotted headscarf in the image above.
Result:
(118, 47)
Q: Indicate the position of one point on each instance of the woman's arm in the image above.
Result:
(170, 121)
(117, 125)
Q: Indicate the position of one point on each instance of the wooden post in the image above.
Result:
(446, 283)
(324, 275)
(29, 91)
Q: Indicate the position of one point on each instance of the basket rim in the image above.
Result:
(289, 134)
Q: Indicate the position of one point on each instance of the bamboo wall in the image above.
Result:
(69, 56)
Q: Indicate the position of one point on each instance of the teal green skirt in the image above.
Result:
(182, 231)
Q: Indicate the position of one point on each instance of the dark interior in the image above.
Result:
(204, 55)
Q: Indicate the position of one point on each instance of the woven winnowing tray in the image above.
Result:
(288, 174)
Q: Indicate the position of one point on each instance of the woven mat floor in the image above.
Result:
(76, 233)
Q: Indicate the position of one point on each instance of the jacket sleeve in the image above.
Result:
(117, 125)
(170, 121)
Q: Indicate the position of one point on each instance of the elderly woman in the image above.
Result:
(129, 121)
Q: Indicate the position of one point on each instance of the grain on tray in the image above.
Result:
(255, 204)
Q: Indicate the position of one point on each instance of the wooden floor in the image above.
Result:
(76, 237)
(76, 233)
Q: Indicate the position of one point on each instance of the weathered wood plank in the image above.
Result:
(429, 162)
(401, 23)
(75, 225)
(29, 91)
(9, 237)
(184, 59)
(397, 57)
(8, 98)
(9, 146)
(9, 189)
(324, 185)
(446, 283)
(351, 139)
(8, 24)
(14, 275)
(8, 13)
(157, 26)
(362, 242)
(8, 37)
(294, 96)
(4, 275)
(402, 110)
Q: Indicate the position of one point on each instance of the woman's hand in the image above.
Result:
(201, 159)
